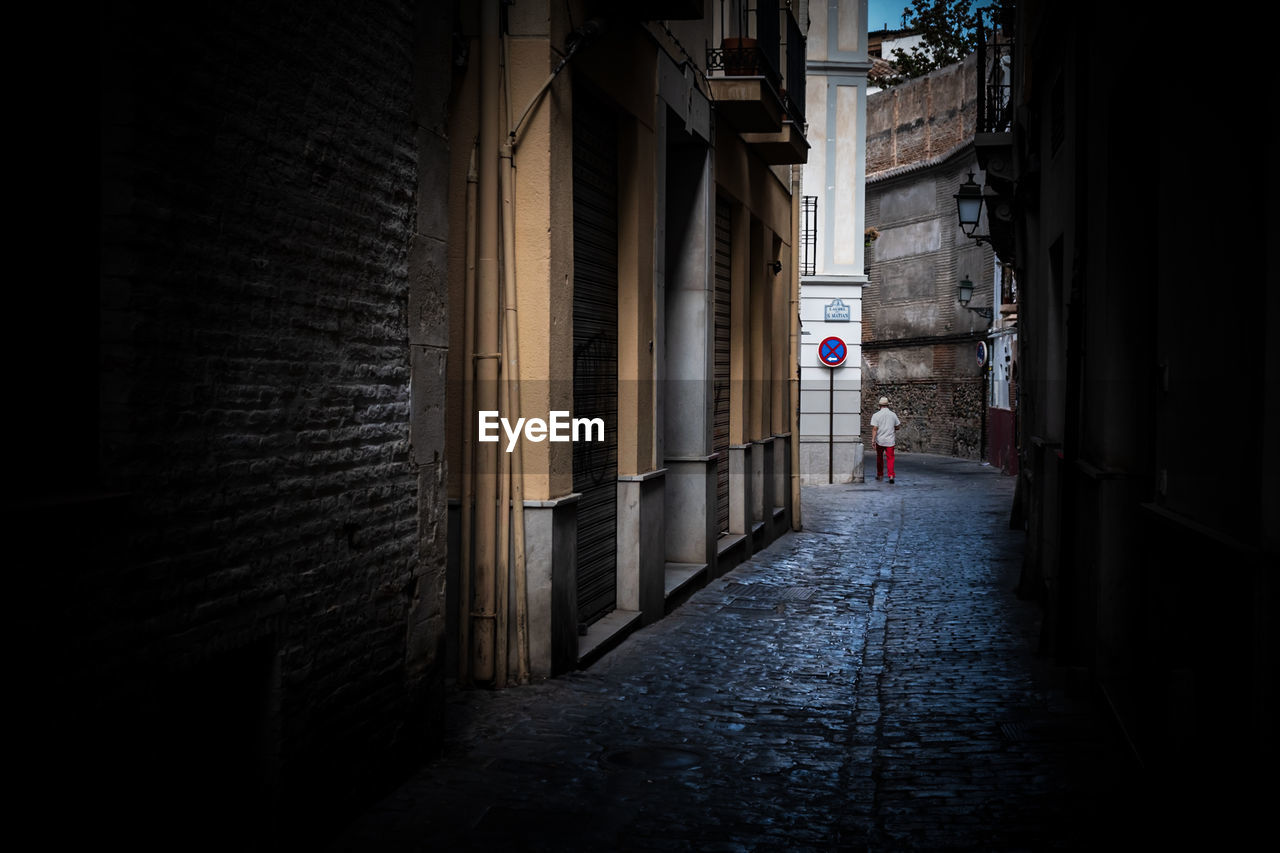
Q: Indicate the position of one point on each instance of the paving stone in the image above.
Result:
(868, 683)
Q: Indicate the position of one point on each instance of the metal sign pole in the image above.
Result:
(831, 426)
(831, 354)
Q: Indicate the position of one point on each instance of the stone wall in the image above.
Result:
(245, 628)
(922, 118)
(938, 416)
(915, 333)
(918, 341)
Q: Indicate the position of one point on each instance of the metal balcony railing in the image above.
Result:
(750, 41)
(793, 96)
(995, 78)
(808, 235)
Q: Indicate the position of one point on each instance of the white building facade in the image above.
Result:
(832, 274)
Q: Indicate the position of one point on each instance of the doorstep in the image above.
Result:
(604, 635)
(682, 580)
(731, 549)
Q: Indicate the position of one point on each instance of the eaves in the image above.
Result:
(926, 340)
(920, 165)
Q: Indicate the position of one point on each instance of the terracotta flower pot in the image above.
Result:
(740, 58)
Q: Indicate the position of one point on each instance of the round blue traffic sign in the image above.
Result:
(832, 352)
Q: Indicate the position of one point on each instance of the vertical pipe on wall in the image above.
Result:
(508, 367)
(502, 573)
(512, 386)
(511, 324)
(506, 261)
(468, 437)
(487, 340)
(793, 407)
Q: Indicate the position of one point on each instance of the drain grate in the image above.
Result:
(750, 606)
(765, 598)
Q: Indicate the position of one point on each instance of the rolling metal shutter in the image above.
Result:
(595, 350)
(720, 425)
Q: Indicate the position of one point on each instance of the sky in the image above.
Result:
(881, 12)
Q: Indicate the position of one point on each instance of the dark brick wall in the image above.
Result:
(922, 118)
(242, 626)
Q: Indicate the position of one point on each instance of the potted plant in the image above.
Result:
(739, 56)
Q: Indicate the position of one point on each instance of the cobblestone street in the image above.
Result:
(868, 683)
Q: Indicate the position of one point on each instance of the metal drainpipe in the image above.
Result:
(794, 409)
(487, 341)
(508, 370)
(511, 385)
(468, 436)
(502, 579)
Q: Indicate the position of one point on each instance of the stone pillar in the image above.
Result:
(690, 508)
(740, 483)
(764, 500)
(782, 480)
(687, 387)
(551, 566)
(756, 498)
(641, 566)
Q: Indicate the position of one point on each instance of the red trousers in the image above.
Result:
(881, 453)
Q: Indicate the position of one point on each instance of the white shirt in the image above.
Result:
(885, 423)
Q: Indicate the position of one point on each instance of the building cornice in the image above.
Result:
(836, 66)
(921, 165)
(926, 340)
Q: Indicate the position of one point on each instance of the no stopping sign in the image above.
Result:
(832, 352)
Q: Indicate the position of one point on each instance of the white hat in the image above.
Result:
(884, 401)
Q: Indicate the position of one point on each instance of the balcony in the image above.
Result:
(993, 141)
(786, 146)
(747, 81)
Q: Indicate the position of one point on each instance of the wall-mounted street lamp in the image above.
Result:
(964, 292)
(774, 266)
(969, 200)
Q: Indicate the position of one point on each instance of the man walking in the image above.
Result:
(883, 425)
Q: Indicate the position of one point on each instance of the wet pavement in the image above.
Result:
(869, 683)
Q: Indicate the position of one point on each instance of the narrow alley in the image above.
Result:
(268, 549)
(868, 683)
